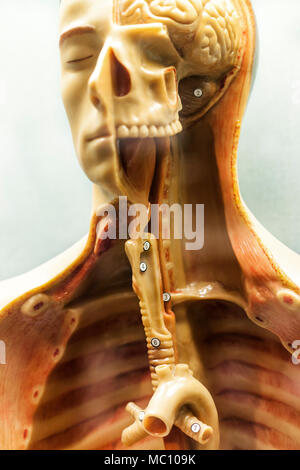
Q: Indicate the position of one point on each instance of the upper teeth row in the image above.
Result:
(149, 131)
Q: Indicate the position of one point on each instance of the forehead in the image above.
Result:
(95, 12)
(122, 12)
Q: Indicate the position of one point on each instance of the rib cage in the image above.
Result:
(252, 380)
(104, 366)
(83, 356)
(254, 384)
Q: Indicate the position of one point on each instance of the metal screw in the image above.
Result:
(166, 297)
(141, 415)
(195, 427)
(155, 342)
(143, 267)
(198, 92)
(147, 246)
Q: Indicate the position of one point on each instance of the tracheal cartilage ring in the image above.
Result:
(178, 397)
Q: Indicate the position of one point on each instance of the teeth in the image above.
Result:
(153, 132)
(144, 131)
(179, 126)
(123, 132)
(134, 131)
(162, 131)
(169, 130)
(174, 127)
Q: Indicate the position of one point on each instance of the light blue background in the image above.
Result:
(44, 195)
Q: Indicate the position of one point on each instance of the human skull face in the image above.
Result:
(122, 62)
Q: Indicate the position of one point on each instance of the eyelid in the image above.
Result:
(80, 60)
(87, 43)
(79, 49)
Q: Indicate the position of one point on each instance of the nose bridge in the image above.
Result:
(100, 86)
(110, 78)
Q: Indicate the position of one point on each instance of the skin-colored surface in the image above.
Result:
(75, 343)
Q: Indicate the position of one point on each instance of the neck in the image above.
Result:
(100, 197)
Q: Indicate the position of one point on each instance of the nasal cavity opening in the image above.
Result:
(171, 85)
(120, 77)
(155, 426)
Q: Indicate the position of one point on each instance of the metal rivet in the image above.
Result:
(147, 246)
(141, 415)
(198, 92)
(166, 297)
(195, 427)
(155, 342)
(143, 267)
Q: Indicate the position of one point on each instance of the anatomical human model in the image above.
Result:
(155, 92)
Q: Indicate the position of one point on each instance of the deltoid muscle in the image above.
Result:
(140, 342)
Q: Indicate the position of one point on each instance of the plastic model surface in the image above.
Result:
(155, 92)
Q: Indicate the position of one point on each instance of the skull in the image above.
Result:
(134, 72)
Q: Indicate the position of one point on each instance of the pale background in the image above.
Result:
(44, 195)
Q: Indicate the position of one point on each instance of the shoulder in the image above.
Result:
(43, 275)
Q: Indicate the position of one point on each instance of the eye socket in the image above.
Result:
(158, 50)
(157, 55)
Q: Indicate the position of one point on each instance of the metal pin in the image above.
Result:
(141, 415)
(198, 92)
(155, 342)
(166, 297)
(147, 246)
(143, 267)
(195, 427)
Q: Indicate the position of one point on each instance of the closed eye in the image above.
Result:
(79, 60)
